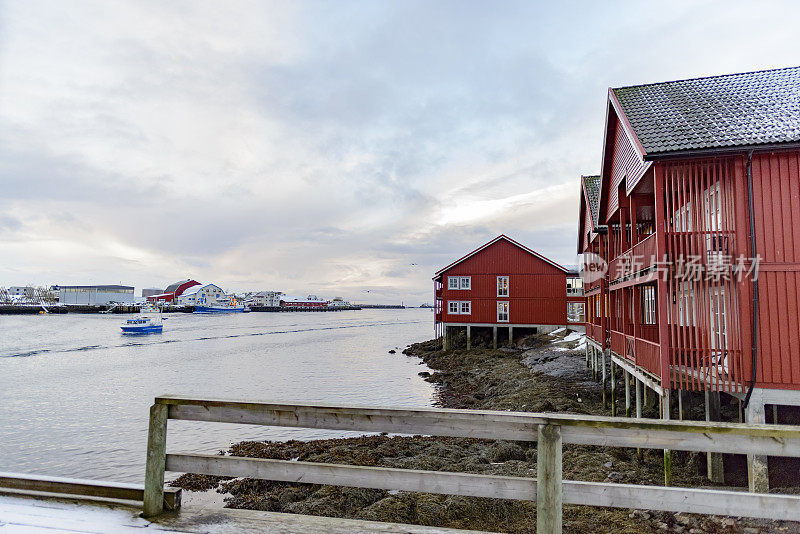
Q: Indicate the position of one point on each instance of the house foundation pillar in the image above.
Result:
(469, 337)
(446, 339)
(613, 388)
(627, 377)
(494, 337)
(604, 380)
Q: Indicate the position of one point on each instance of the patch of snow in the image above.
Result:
(573, 336)
(558, 331)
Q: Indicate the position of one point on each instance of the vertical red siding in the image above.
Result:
(537, 289)
(776, 196)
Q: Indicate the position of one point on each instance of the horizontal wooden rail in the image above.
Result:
(463, 484)
(701, 436)
(550, 430)
(698, 501)
(84, 488)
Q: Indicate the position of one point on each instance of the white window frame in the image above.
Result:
(462, 307)
(503, 309)
(459, 282)
(649, 305)
(507, 286)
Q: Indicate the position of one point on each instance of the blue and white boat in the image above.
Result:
(223, 305)
(148, 322)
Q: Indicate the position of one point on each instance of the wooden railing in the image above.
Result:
(637, 258)
(595, 332)
(549, 430)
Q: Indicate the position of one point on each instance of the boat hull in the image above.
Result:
(149, 329)
(221, 309)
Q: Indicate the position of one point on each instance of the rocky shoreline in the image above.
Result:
(539, 374)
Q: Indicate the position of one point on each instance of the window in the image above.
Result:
(459, 307)
(649, 305)
(459, 282)
(502, 312)
(502, 286)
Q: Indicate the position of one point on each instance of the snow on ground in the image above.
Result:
(573, 336)
(558, 331)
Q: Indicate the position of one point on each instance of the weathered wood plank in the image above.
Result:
(153, 501)
(549, 475)
(464, 484)
(84, 488)
(776, 440)
(672, 499)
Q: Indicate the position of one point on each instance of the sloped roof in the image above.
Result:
(591, 185)
(492, 242)
(751, 108)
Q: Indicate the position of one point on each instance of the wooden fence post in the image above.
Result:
(548, 480)
(156, 458)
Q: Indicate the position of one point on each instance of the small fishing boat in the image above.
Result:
(149, 321)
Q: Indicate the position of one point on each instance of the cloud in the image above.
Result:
(317, 147)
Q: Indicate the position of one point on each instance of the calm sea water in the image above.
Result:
(75, 393)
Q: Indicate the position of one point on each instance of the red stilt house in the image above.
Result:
(500, 284)
(694, 212)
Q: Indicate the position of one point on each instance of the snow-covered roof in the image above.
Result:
(194, 289)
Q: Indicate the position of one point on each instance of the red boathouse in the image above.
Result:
(694, 213)
(501, 284)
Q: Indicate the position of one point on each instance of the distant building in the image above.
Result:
(101, 295)
(339, 302)
(20, 291)
(310, 302)
(173, 291)
(268, 299)
(207, 295)
(500, 285)
(150, 292)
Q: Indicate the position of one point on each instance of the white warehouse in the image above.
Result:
(95, 295)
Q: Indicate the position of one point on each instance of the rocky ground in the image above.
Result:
(540, 373)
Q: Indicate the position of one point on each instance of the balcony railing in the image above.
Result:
(595, 332)
(642, 352)
(638, 258)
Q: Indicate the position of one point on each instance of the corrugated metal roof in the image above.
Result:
(592, 186)
(750, 108)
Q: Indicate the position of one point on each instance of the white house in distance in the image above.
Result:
(268, 299)
(208, 295)
(339, 302)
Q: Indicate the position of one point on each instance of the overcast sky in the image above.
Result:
(324, 147)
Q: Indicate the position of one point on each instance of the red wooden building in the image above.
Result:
(697, 213)
(500, 284)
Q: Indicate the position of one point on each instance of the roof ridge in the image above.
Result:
(728, 75)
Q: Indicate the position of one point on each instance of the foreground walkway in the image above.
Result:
(48, 515)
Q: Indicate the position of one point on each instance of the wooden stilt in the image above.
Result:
(627, 377)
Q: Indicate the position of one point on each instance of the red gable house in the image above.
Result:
(500, 284)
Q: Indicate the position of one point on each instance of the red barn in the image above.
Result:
(500, 284)
(694, 212)
(173, 291)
